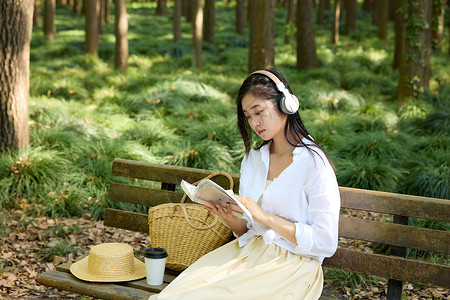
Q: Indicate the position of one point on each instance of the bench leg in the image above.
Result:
(395, 289)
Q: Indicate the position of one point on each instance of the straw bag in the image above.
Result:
(186, 230)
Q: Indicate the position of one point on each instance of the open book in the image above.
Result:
(207, 192)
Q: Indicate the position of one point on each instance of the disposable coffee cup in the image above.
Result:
(155, 264)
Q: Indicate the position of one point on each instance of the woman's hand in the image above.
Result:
(259, 214)
(227, 216)
(238, 225)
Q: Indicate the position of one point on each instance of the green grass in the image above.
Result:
(353, 280)
(58, 248)
(83, 113)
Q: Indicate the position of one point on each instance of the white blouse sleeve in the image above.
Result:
(242, 189)
(319, 235)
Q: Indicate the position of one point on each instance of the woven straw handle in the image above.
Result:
(230, 179)
(188, 220)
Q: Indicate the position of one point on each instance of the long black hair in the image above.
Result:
(262, 87)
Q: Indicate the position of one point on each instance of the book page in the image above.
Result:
(223, 195)
(207, 192)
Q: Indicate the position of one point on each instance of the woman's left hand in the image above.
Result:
(259, 214)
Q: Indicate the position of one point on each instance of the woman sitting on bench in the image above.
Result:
(289, 186)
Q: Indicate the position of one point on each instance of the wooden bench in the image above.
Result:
(396, 233)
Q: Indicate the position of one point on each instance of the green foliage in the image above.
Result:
(3, 267)
(367, 173)
(27, 173)
(84, 113)
(58, 248)
(63, 231)
(430, 176)
(353, 280)
(4, 218)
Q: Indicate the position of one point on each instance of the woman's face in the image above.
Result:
(264, 117)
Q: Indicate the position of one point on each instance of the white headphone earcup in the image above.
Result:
(289, 103)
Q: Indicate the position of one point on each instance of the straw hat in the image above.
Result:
(109, 262)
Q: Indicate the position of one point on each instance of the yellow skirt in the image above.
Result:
(255, 271)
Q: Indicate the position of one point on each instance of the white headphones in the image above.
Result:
(289, 103)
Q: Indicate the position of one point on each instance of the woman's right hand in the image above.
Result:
(227, 216)
(238, 225)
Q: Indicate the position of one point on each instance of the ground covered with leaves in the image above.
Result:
(32, 245)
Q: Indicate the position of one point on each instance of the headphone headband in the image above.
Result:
(289, 103)
(272, 76)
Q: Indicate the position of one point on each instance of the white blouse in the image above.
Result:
(305, 193)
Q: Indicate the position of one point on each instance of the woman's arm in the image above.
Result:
(283, 227)
(237, 225)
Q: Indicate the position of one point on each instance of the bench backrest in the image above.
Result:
(397, 234)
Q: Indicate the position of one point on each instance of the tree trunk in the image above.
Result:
(306, 45)
(16, 19)
(121, 27)
(190, 11)
(367, 5)
(208, 28)
(197, 23)
(383, 20)
(336, 17)
(350, 17)
(343, 9)
(36, 13)
(375, 12)
(240, 16)
(185, 8)
(399, 31)
(290, 13)
(100, 15)
(107, 11)
(76, 7)
(49, 19)
(392, 6)
(91, 27)
(177, 20)
(262, 34)
(413, 65)
(320, 12)
(161, 7)
(327, 5)
(428, 10)
(438, 24)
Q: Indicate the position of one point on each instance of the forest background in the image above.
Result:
(83, 112)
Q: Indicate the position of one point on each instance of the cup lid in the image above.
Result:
(155, 253)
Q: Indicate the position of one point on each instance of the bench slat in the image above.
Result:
(142, 195)
(395, 234)
(68, 282)
(139, 284)
(376, 201)
(167, 174)
(395, 204)
(65, 281)
(126, 220)
(390, 267)
(386, 233)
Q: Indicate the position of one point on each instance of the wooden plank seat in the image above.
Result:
(390, 227)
